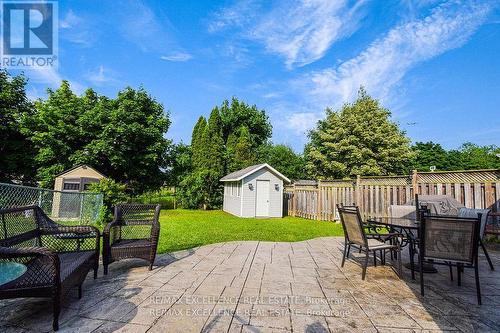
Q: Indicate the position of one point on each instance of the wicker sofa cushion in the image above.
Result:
(70, 262)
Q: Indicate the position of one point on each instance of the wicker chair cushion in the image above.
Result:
(127, 243)
(70, 262)
(40, 271)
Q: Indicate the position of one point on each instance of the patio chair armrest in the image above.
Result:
(27, 254)
(107, 228)
(73, 233)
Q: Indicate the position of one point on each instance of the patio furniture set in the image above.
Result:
(41, 258)
(436, 228)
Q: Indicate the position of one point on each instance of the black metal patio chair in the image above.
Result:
(356, 236)
(450, 241)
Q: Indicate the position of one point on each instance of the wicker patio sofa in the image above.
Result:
(133, 233)
(56, 258)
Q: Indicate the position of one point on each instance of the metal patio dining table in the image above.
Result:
(409, 227)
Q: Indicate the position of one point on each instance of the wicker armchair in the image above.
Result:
(56, 257)
(133, 233)
(356, 236)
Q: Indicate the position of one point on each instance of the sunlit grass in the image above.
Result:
(183, 229)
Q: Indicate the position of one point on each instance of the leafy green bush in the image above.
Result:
(113, 194)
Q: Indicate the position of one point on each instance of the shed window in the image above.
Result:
(238, 189)
(71, 186)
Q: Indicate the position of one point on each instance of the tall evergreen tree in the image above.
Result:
(358, 139)
(197, 148)
(244, 154)
(213, 144)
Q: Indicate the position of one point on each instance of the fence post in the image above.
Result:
(357, 188)
(318, 213)
(414, 182)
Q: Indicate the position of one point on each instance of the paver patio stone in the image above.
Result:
(265, 287)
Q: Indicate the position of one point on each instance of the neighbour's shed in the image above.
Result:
(66, 204)
(77, 179)
(256, 191)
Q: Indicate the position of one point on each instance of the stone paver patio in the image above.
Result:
(265, 287)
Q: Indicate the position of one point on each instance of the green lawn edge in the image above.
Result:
(183, 229)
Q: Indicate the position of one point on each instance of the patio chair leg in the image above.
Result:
(365, 265)
(421, 271)
(343, 255)
(459, 275)
(56, 310)
(348, 250)
(105, 269)
(486, 254)
(478, 288)
(375, 258)
(451, 272)
(400, 264)
(412, 261)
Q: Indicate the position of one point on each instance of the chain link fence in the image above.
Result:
(72, 207)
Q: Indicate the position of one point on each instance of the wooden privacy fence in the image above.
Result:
(374, 195)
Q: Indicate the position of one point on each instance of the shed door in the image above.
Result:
(262, 202)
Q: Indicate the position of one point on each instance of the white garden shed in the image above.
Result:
(256, 191)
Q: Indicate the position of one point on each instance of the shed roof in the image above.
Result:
(240, 174)
(79, 166)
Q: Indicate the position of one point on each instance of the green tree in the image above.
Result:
(283, 159)
(360, 138)
(429, 154)
(197, 149)
(474, 157)
(240, 152)
(237, 114)
(130, 145)
(179, 163)
(123, 137)
(15, 147)
(213, 144)
(55, 132)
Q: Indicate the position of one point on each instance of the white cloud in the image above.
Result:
(102, 76)
(177, 57)
(69, 21)
(302, 122)
(385, 62)
(77, 30)
(51, 77)
(301, 31)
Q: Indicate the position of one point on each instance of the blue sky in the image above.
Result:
(434, 64)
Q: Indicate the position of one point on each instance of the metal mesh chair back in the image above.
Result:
(19, 227)
(450, 238)
(352, 224)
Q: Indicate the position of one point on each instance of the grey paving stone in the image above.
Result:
(265, 287)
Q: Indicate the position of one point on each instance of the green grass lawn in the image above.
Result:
(183, 229)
